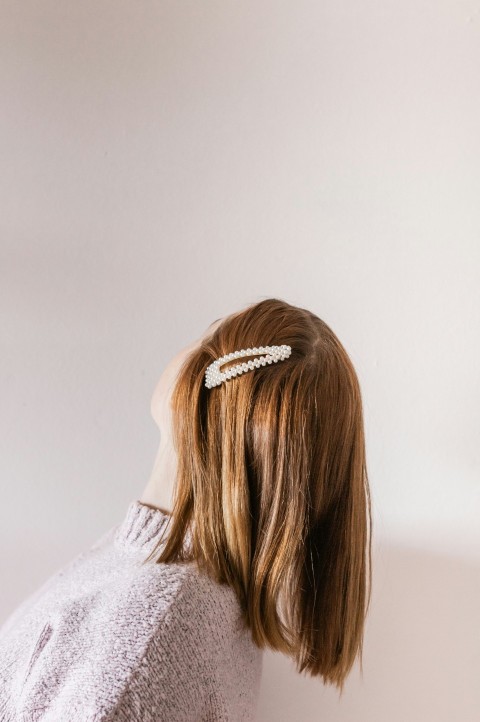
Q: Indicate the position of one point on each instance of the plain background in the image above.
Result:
(166, 163)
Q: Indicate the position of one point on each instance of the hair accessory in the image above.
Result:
(214, 377)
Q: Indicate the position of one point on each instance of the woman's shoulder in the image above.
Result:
(188, 590)
(108, 628)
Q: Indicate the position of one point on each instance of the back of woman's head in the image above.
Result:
(272, 486)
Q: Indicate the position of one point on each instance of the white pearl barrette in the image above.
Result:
(214, 377)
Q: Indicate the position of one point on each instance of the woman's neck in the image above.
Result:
(158, 492)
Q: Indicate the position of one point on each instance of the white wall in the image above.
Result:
(165, 163)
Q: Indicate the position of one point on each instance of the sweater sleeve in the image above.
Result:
(172, 681)
(199, 667)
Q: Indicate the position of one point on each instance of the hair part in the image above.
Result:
(272, 487)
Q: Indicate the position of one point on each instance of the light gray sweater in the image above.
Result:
(106, 639)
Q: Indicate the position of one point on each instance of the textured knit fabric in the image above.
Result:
(107, 639)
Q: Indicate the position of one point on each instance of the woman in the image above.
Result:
(253, 531)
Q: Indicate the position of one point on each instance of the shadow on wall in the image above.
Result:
(421, 651)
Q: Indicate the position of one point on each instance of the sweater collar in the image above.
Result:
(141, 527)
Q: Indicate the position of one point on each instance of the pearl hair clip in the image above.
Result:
(214, 377)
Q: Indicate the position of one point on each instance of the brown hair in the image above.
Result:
(272, 486)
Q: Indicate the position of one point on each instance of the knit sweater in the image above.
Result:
(107, 639)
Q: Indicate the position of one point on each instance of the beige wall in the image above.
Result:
(165, 163)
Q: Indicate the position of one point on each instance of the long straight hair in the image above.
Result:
(272, 488)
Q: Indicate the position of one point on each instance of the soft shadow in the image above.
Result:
(421, 651)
